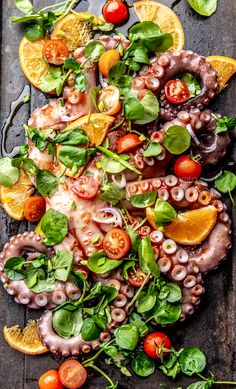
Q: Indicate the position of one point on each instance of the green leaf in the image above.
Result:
(134, 238)
(203, 7)
(100, 264)
(54, 225)
(72, 156)
(127, 336)
(128, 265)
(110, 166)
(192, 83)
(200, 385)
(171, 366)
(79, 280)
(71, 63)
(23, 149)
(192, 361)
(143, 200)
(94, 50)
(177, 139)
(62, 263)
(224, 124)
(151, 109)
(167, 313)
(147, 259)
(81, 82)
(67, 323)
(137, 321)
(118, 158)
(9, 174)
(110, 292)
(112, 194)
(33, 31)
(116, 72)
(25, 6)
(142, 365)
(146, 301)
(75, 136)
(171, 292)
(30, 166)
(46, 183)
(151, 37)
(153, 149)
(90, 329)
(14, 268)
(164, 212)
(226, 182)
(133, 109)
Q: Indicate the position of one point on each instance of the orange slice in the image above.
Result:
(76, 29)
(150, 214)
(27, 340)
(224, 66)
(164, 17)
(192, 227)
(31, 61)
(13, 199)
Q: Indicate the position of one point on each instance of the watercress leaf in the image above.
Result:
(94, 50)
(30, 166)
(71, 63)
(134, 238)
(127, 336)
(33, 31)
(116, 72)
(106, 27)
(79, 280)
(75, 136)
(71, 156)
(133, 109)
(143, 200)
(171, 366)
(100, 264)
(112, 194)
(153, 149)
(46, 285)
(224, 124)
(54, 225)
(150, 105)
(192, 361)
(192, 83)
(177, 139)
(200, 385)
(204, 7)
(62, 263)
(142, 365)
(23, 149)
(110, 292)
(137, 321)
(147, 259)
(146, 301)
(149, 33)
(167, 313)
(46, 183)
(164, 212)
(226, 182)
(140, 56)
(9, 174)
(171, 292)
(25, 6)
(67, 323)
(81, 82)
(128, 265)
(110, 166)
(90, 329)
(14, 268)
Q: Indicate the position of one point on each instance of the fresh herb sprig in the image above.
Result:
(225, 124)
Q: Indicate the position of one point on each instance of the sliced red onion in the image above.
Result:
(192, 133)
(120, 184)
(72, 118)
(115, 219)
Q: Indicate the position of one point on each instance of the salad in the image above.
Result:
(114, 175)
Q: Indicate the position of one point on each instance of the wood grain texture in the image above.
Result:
(213, 326)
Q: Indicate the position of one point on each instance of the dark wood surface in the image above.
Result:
(213, 328)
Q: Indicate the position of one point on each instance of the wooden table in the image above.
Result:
(213, 328)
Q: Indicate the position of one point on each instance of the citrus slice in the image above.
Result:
(164, 17)
(27, 340)
(75, 29)
(150, 214)
(192, 227)
(31, 61)
(224, 66)
(13, 199)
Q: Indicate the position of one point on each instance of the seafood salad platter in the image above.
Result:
(117, 194)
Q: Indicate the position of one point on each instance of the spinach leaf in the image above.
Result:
(177, 139)
(30, 166)
(67, 323)
(142, 365)
(14, 268)
(226, 182)
(147, 259)
(79, 280)
(143, 200)
(203, 7)
(147, 300)
(75, 136)
(151, 109)
(110, 166)
(72, 156)
(200, 385)
(54, 225)
(134, 238)
(9, 174)
(127, 336)
(171, 292)
(62, 263)
(90, 329)
(164, 212)
(226, 123)
(192, 361)
(94, 50)
(137, 321)
(192, 83)
(128, 265)
(153, 149)
(100, 264)
(111, 194)
(118, 158)
(110, 292)
(167, 313)
(46, 183)
(25, 6)
(171, 366)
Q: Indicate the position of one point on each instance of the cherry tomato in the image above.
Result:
(155, 343)
(34, 208)
(72, 374)
(115, 11)
(50, 380)
(127, 143)
(176, 91)
(136, 277)
(116, 243)
(55, 51)
(106, 61)
(85, 187)
(186, 168)
(109, 100)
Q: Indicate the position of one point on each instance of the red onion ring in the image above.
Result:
(191, 132)
(122, 183)
(115, 219)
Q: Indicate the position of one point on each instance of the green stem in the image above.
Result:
(88, 361)
(225, 383)
(139, 291)
(117, 158)
(140, 224)
(102, 373)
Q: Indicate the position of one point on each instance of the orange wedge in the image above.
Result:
(31, 61)
(224, 66)
(27, 340)
(150, 214)
(164, 17)
(76, 29)
(192, 227)
(13, 199)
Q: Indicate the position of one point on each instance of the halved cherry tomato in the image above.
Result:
(85, 187)
(137, 277)
(116, 243)
(106, 61)
(34, 208)
(186, 168)
(72, 374)
(176, 91)
(127, 143)
(50, 380)
(109, 100)
(115, 11)
(156, 344)
(55, 51)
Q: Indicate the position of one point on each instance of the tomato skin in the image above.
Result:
(34, 208)
(116, 243)
(186, 168)
(109, 100)
(176, 91)
(128, 143)
(72, 374)
(85, 187)
(55, 51)
(153, 342)
(106, 61)
(115, 11)
(136, 278)
(50, 380)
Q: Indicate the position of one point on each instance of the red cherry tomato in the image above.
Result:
(127, 143)
(85, 187)
(186, 168)
(34, 208)
(50, 380)
(55, 51)
(116, 243)
(72, 374)
(176, 91)
(136, 277)
(155, 344)
(106, 61)
(115, 11)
